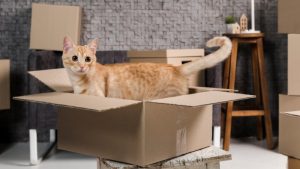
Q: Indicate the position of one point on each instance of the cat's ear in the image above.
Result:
(68, 44)
(93, 45)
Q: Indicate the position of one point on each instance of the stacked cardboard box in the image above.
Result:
(289, 104)
(4, 84)
(135, 132)
(51, 23)
(175, 57)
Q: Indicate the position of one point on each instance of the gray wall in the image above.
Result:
(143, 24)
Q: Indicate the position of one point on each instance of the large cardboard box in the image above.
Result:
(289, 123)
(136, 132)
(288, 16)
(174, 57)
(51, 23)
(293, 64)
(293, 163)
(4, 84)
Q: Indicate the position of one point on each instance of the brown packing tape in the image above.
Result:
(181, 143)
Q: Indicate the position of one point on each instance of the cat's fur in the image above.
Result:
(136, 81)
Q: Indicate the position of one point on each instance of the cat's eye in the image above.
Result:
(87, 59)
(74, 58)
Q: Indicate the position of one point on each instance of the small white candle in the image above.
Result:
(252, 15)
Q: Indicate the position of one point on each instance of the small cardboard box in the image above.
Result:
(293, 163)
(136, 132)
(174, 57)
(288, 16)
(289, 123)
(4, 84)
(51, 23)
(293, 64)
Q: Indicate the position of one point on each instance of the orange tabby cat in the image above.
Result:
(136, 81)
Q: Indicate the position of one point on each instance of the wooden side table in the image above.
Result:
(260, 86)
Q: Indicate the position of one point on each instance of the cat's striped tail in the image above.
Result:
(210, 60)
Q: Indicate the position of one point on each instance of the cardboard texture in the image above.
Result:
(51, 23)
(293, 64)
(135, 132)
(4, 84)
(288, 16)
(56, 79)
(174, 57)
(289, 122)
(293, 163)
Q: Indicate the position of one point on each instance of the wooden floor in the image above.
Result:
(246, 154)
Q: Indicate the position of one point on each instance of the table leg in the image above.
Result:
(226, 72)
(225, 86)
(265, 95)
(232, 76)
(257, 90)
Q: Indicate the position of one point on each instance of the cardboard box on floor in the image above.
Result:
(293, 64)
(174, 57)
(135, 132)
(4, 84)
(51, 23)
(293, 163)
(289, 123)
(288, 16)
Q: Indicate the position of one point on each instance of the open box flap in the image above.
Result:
(88, 102)
(56, 79)
(203, 98)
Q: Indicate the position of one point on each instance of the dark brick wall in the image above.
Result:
(143, 24)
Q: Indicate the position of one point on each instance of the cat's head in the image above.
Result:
(79, 59)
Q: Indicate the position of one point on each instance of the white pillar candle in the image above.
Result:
(252, 15)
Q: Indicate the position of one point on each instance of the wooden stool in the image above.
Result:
(260, 86)
(207, 158)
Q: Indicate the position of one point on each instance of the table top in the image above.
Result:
(244, 35)
(209, 154)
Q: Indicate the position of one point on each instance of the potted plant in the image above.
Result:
(230, 21)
